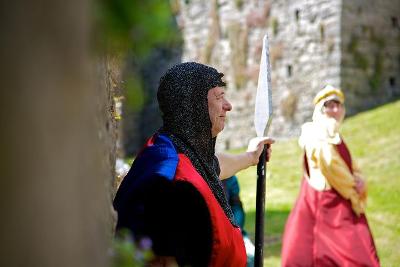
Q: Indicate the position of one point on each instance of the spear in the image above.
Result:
(262, 120)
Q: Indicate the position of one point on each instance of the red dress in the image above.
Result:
(322, 229)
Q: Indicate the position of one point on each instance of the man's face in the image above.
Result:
(217, 108)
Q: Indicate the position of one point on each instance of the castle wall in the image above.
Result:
(370, 63)
(353, 44)
(304, 50)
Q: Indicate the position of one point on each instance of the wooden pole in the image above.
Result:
(260, 210)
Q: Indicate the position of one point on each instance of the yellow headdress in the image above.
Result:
(328, 93)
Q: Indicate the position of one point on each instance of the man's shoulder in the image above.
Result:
(156, 164)
(159, 157)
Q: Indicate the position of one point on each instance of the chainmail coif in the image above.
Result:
(182, 98)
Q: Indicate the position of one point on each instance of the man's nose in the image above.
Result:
(227, 106)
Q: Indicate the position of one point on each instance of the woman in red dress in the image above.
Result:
(328, 226)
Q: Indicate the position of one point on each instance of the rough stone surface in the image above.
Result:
(351, 44)
(370, 45)
(354, 45)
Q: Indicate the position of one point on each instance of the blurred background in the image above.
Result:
(79, 80)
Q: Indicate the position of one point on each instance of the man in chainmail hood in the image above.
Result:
(187, 122)
(172, 194)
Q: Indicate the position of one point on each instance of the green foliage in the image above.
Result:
(373, 138)
(239, 45)
(322, 32)
(133, 25)
(134, 28)
(375, 80)
(135, 97)
(129, 160)
(126, 254)
(239, 4)
(353, 44)
(360, 60)
(275, 25)
(380, 42)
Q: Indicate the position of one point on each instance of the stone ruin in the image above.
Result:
(354, 45)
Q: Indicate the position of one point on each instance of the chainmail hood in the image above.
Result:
(182, 98)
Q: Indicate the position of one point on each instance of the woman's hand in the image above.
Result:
(360, 185)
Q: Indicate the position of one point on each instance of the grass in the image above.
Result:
(373, 138)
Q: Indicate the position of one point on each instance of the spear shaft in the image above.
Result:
(260, 210)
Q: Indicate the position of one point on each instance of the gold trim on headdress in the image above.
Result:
(331, 92)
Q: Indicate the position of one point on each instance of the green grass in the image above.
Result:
(374, 141)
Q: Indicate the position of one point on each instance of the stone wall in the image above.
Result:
(350, 44)
(370, 63)
(353, 44)
(304, 50)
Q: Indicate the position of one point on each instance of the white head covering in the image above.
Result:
(322, 127)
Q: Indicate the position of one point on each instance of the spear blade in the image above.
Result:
(263, 103)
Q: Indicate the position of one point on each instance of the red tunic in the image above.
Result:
(164, 198)
(322, 229)
(228, 247)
